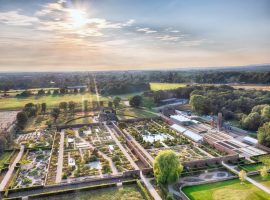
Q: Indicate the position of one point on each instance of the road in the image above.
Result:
(255, 183)
(147, 183)
(11, 169)
(60, 158)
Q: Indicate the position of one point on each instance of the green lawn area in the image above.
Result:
(226, 190)
(165, 86)
(84, 120)
(51, 100)
(131, 192)
(128, 113)
(265, 182)
(4, 157)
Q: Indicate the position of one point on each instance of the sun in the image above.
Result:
(78, 18)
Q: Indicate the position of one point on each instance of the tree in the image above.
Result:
(71, 106)
(167, 167)
(116, 101)
(85, 105)
(63, 106)
(43, 107)
(55, 113)
(41, 92)
(264, 172)
(266, 113)
(264, 134)
(252, 121)
(22, 119)
(242, 176)
(135, 101)
(199, 103)
(110, 104)
(55, 92)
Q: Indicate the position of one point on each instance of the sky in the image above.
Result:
(81, 35)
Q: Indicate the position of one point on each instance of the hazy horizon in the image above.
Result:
(102, 35)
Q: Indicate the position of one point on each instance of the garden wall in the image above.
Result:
(211, 161)
(262, 147)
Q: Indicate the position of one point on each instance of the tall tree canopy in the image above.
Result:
(167, 167)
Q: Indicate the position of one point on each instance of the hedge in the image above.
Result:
(47, 194)
(144, 191)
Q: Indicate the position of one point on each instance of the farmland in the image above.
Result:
(165, 86)
(14, 103)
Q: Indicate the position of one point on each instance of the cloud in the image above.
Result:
(16, 19)
(146, 30)
(168, 38)
(59, 17)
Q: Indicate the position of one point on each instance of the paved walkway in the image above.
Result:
(255, 183)
(11, 169)
(147, 183)
(121, 147)
(60, 158)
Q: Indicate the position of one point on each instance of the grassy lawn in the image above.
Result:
(128, 113)
(123, 193)
(165, 86)
(265, 182)
(84, 120)
(4, 158)
(225, 190)
(14, 103)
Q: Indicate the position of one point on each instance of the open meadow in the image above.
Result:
(13, 103)
(165, 86)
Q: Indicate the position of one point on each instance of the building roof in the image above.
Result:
(178, 128)
(180, 118)
(250, 140)
(193, 136)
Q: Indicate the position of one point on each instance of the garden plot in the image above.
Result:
(101, 139)
(37, 139)
(33, 169)
(156, 135)
(52, 169)
(82, 158)
(84, 163)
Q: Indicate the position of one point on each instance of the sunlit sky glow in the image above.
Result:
(41, 35)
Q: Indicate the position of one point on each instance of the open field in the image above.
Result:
(119, 193)
(225, 190)
(252, 87)
(165, 86)
(51, 100)
(33, 90)
(128, 113)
